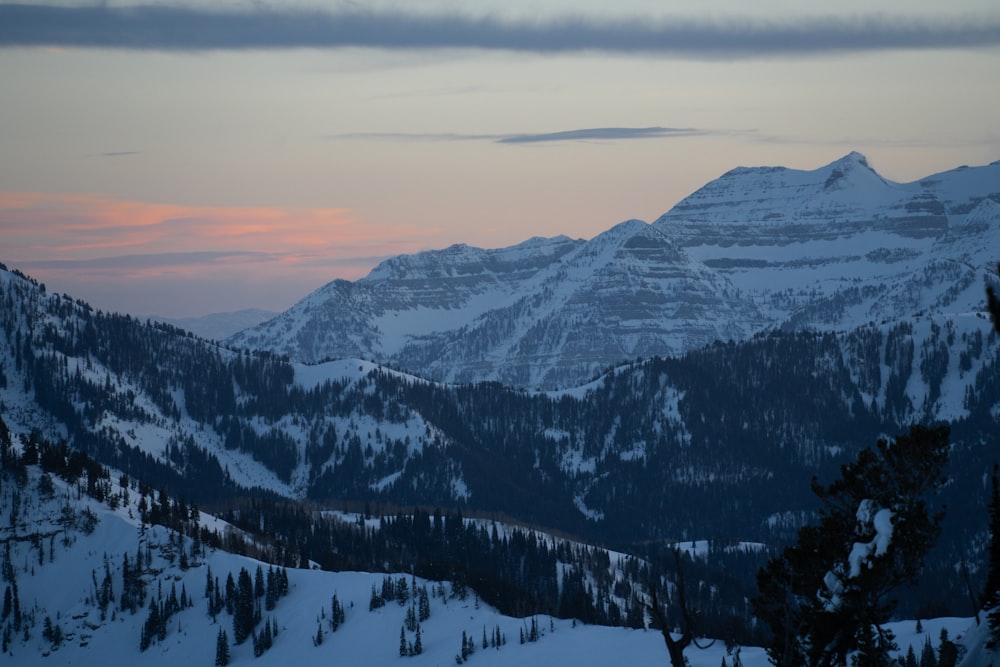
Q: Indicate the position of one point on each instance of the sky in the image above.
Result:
(180, 159)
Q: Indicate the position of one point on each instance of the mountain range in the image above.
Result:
(779, 382)
(757, 249)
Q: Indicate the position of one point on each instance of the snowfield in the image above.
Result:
(61, 585)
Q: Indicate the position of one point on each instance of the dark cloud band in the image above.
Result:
(585, 134)
(187, 29)
(599, 134)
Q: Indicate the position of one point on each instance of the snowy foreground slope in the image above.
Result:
(83, 539)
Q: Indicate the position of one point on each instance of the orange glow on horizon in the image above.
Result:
(122, 252)
(53, 227)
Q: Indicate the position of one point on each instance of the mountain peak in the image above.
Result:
(625, 229)
(758, 247)
(854, 157)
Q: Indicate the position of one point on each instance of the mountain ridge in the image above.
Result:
(756, 249)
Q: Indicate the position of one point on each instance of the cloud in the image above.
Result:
(176, 28)
(601, 133)
(152, 261)
(418, 136)
(173, 259)
(103, 234)
(585, 134)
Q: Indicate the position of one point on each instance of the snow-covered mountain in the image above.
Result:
(758, 248)
(839, 246)
(545, 313)
(712, 429)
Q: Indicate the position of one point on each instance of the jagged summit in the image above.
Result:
(759, 247)
(777, 205)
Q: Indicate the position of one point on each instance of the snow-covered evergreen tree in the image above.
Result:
(827, 596)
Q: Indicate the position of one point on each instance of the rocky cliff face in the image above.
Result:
(839, 246)
(758, 248)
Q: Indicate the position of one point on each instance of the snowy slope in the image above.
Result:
(61, 585)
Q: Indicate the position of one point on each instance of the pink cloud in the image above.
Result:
(96, 243)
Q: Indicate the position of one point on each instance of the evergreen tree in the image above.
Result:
(927, 656)
(418, 644)
(993, 304)
(375, 601)
(271, 595)
(991, 594)
(222, 649)
(424, 605)
(827, 596)
(402, 641)
(947, 651)
(8, 604)
(411, 619)
(244, 611)
(402, 591)
(230, 594)
(337, 615)
(258, 583)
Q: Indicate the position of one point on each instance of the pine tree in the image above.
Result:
(424, 605)
(230, 594)
(402, 641)
(993, 304)
(947, 651)
(418, 644)
(267, 639)
(402, 591)
(222, 649)
(8, 604)
(244, 611)
(337, 615)
(258, 583)
(411, 619)
(319, 635)
(824, 598)
(927, 656)
(991, 594)
(271, 595)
